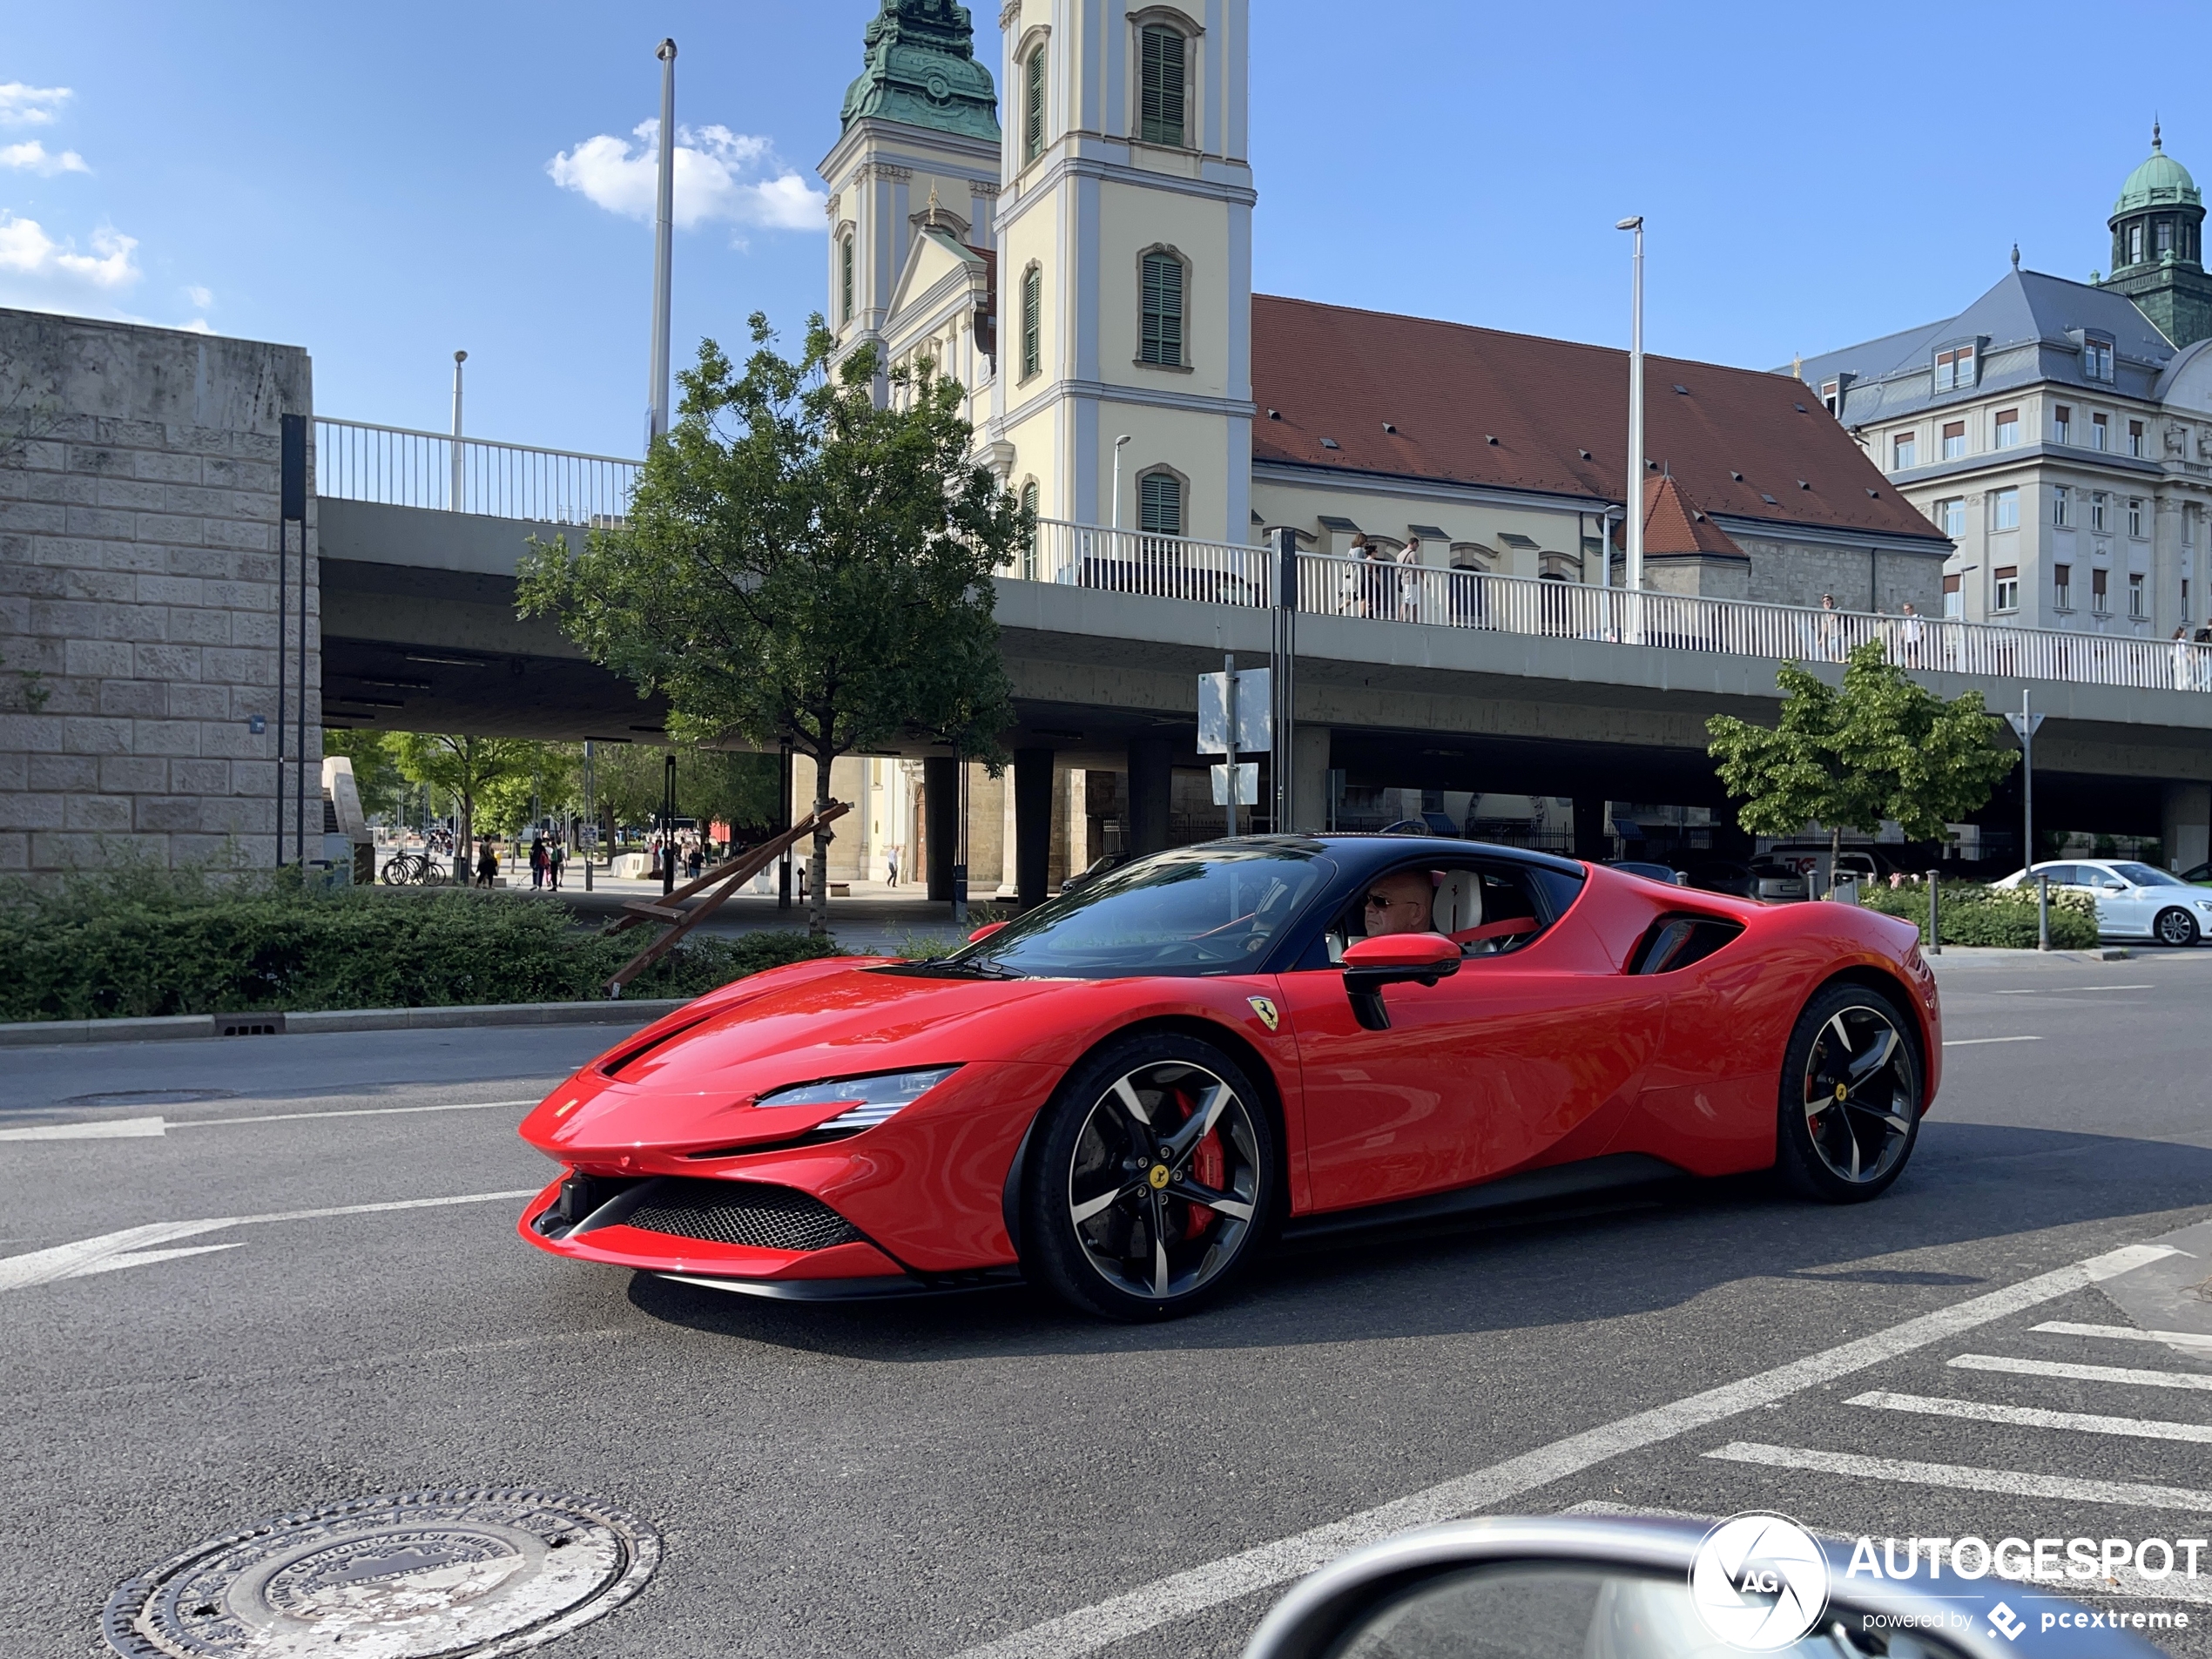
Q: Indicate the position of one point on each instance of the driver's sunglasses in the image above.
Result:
(1376, 901)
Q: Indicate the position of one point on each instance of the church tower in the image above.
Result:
(1124, 264)
(2158, 247)
(919, 143)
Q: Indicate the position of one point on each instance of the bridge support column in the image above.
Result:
(1309, 778)
(1590, 843)
(1032, 826)
(2186, 826)
(1151, 780)
(940, 821)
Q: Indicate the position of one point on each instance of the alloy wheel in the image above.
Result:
(1164, 1184)
(2177, 926)
(1859, 1097)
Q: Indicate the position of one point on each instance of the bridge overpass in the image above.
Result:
(1436, 680)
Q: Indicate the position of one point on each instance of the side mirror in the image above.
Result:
(985, 931)
(1393, 959)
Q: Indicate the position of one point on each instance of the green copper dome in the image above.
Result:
(2160, 182)
(921, 69)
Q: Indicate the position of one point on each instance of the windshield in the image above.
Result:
(1193, 910)
(2146, 875)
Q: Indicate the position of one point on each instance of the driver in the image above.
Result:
(1401, 903)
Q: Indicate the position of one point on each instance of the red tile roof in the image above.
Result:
(1478, 406)
(1672, 523)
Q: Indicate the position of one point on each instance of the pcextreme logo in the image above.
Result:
(1759, 1581)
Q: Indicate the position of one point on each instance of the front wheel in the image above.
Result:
(1152, 1178)
(1851, 1097)
(2175, 927)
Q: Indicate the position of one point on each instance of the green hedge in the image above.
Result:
(145, 943)
(2001, 916)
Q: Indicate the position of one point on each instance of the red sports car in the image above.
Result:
(1127, 1092)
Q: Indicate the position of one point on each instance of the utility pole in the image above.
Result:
(1282, 682)
(2024, 725)
(1632, 504)
(591, 813)
(453, 492)
(664, 249)
(1228, 708)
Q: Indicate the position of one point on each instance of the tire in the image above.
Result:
(1852, 1096)
(2175, 926)
(1133, 1137)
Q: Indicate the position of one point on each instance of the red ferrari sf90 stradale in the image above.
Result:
(1127, 1092)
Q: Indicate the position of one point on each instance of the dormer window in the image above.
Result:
(1164, 100)
(2096, 357)
(1954, 367)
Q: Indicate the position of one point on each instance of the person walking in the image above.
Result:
(1355, 576)
(1908, 636)
(1831, 629)
(1409, 580)
(537, 861)
(487, 864)
(890, 866)
(557, 854)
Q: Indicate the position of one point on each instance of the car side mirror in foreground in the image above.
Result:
(1393, 959)
(1617, 1587)
(985, 931)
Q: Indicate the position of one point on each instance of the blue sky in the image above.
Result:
(384, 185)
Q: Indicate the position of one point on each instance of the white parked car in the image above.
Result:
(2134, 901)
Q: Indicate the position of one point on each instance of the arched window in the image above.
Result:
(1030, 546)
(1032, 321)
(845, 277)
(1159, 504)
(1033, 106)
(1161, 336)
(1162, 102)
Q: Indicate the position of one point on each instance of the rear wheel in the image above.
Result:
(2175, 927)
(1151, 1181)
(1851, 1097)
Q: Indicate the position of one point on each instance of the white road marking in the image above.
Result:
(2127, 1333)
(1178, 1595)
(2016, 1482)
(87, 1255)
(2083, 1373)
(1974, 1411)
(147, 1257)
(1969, 1042)
(354, 1111)
(113, 1128)
(2114, 987)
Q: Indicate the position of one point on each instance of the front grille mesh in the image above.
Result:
(727, 1212)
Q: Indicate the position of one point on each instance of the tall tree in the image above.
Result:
(470, 770)
(800, 566)
(1880, 747)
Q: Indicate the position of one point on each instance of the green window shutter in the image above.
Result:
(1161, 98)
(1159, 504)
(1162, 340)
(1032, 308)
(1033, 107)
(845, 278)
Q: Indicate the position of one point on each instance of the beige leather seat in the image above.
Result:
(1459, 902)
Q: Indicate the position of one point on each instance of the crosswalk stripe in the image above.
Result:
(2127, 1333)
(2017, 1482)
(2083, 1374)
(1974, 1411)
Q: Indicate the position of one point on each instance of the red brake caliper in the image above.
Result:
(1206, 1169)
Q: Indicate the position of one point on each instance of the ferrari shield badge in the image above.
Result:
(1265, 1009)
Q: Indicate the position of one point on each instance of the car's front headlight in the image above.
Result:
(869, 1101)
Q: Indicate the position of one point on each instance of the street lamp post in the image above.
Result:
(452, 495)
(1120, 444)
(1632, 503)
(663, 248)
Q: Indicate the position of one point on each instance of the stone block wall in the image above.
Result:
(138, 596)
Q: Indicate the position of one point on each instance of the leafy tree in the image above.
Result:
(471, 770)
(376, 775)
(800, 566)
(1880, 747)
(738, 788)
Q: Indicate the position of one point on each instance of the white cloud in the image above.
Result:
(202, 299)
(26, 250)
(31, 106)
(733, 177)
(31, 156)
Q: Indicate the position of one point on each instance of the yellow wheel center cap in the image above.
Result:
(1842, 1089)
(1158, 1177)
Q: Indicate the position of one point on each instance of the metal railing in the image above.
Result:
(1221, 573)
(400, 467)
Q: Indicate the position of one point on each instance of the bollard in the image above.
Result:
(1935, 914)
(2043, 912)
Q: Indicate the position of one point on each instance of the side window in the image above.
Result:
(1490, 909)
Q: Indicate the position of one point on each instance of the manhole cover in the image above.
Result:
(150, 1098)
(418, 1575)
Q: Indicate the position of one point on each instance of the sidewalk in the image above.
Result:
(874, 919)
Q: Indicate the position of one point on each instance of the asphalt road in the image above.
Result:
(990, 1472)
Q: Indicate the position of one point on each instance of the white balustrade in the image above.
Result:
(400, 467)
